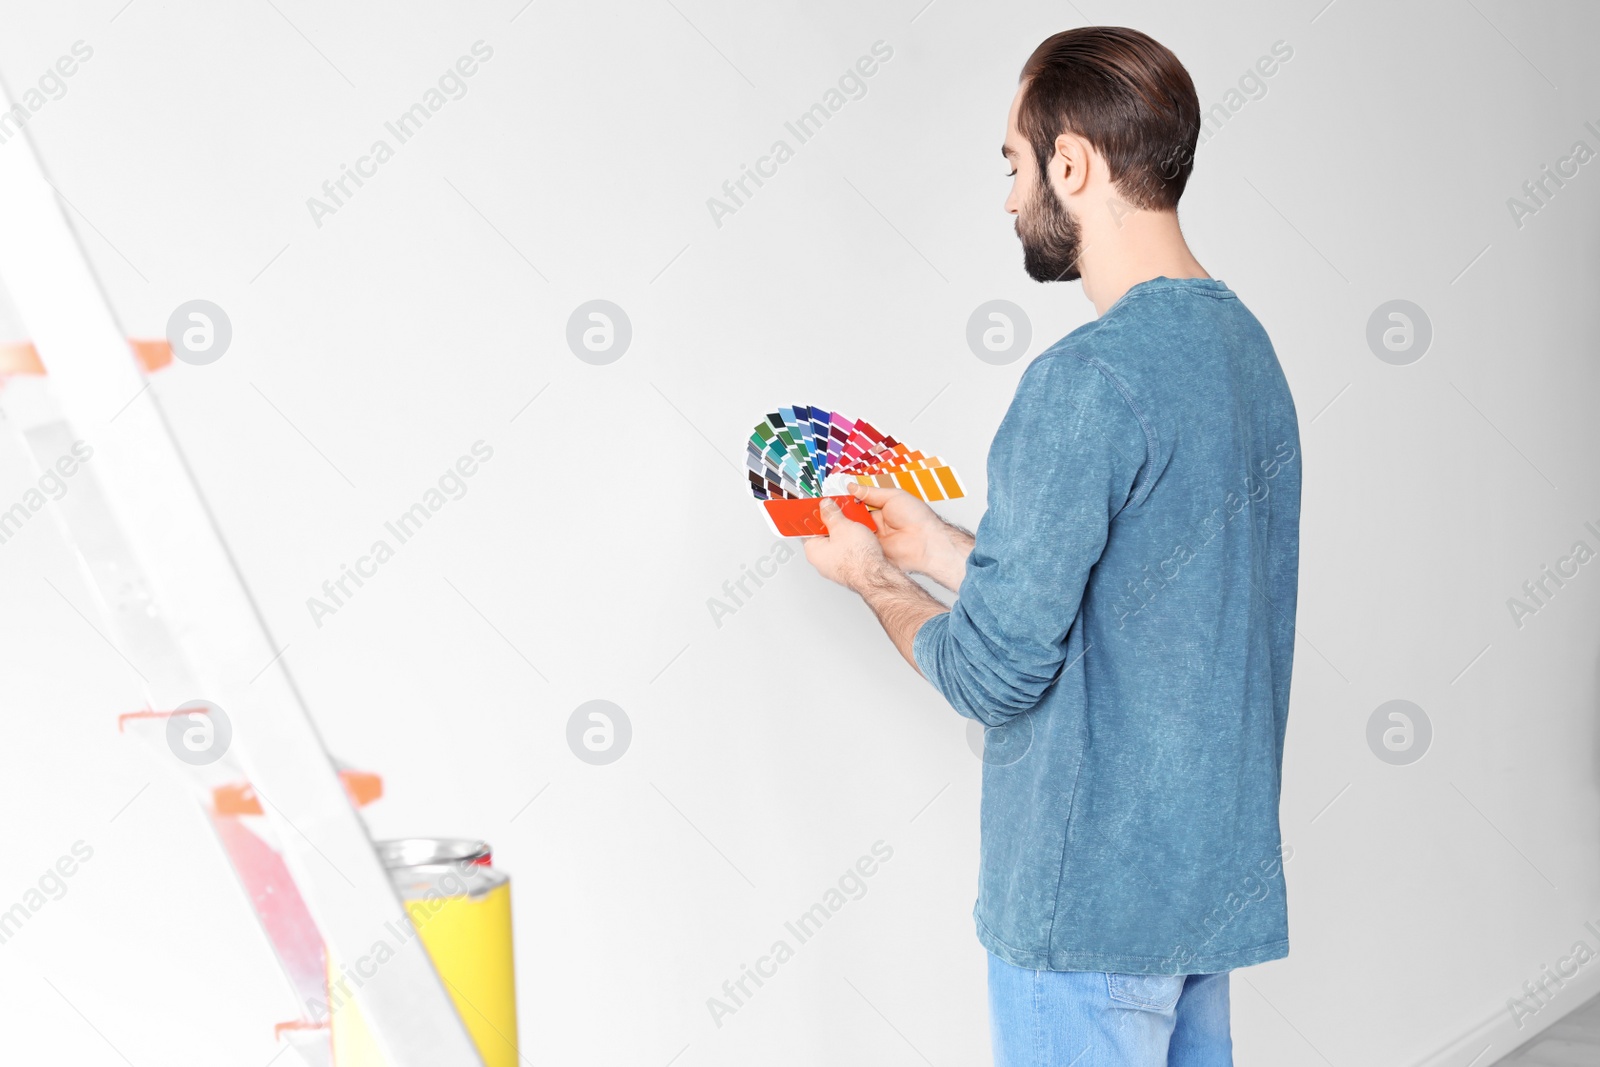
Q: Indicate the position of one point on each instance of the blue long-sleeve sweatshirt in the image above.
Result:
(1125, 631)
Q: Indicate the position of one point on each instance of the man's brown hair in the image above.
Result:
(1128, 96)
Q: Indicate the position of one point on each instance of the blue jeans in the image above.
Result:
(1096, 1019)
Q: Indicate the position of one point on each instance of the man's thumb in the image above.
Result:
(833, 515)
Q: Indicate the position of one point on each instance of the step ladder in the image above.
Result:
(172, 600)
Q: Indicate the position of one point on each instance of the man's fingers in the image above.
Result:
(872, 495)
(832, 514)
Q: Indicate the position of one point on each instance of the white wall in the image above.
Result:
(772, 751)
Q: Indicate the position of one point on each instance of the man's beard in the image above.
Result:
(1050, 237)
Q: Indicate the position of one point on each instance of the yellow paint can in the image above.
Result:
(462, 911)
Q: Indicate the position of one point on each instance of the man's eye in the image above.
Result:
(1011, 174)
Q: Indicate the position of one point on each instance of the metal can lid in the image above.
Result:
(404, 852)
(444, 880)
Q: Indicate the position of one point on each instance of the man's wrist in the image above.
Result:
(877, 574)
(945, 556)
(959, 538)
(901, 605)
(937, 548)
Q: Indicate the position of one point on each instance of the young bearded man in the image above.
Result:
(1125, 612)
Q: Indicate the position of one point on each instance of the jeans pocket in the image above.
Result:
(1146, 992)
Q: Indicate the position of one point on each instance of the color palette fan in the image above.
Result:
(798, 455)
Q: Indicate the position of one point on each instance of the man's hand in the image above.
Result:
(850, 554)
(914, 538)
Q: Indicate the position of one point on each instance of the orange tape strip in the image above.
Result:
(21, 357)
(362, 787)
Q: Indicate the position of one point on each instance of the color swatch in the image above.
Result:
(799, 454)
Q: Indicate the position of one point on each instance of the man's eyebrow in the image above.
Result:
(1005, 150)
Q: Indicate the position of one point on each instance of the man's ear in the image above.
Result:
(1069, 167)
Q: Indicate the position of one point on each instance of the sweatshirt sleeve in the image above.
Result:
(1066, 460)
